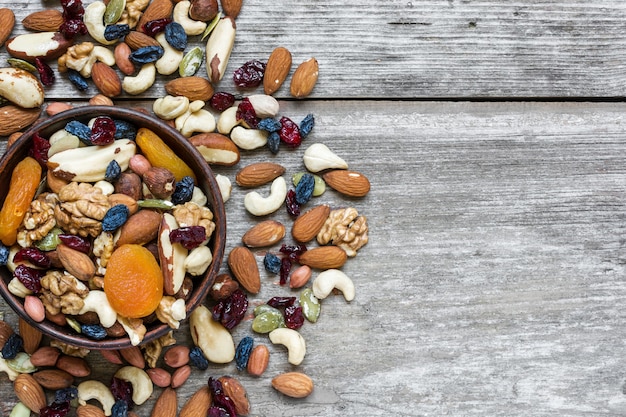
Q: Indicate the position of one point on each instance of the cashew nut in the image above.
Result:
(319, 157)
(258, 205)
(171, 58)
(181, 15)
(140, 82)
(21, 87)
(62, 140)
(194, 106)
(199, 197)
(198, 260)
(223, 182)
(248, 138)
(98, 54)
(18, 289)
(106, 187)
(293, 341)
(264, 105)
(139, 379)
(170, 107)
(211, 337)
(97, 302)
(94, 20)
(4, 367)
(333, 278)
(201, 121)
(96, 390)
(227, 120)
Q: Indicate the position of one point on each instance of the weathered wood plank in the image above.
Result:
(493, 282)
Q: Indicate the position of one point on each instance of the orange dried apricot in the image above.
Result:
(133, 282)
(161, 155)
(22, 188)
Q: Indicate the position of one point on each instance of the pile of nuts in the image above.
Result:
(148, 41)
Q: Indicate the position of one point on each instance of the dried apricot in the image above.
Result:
(133, 282)
(24, 182)
(161, 155)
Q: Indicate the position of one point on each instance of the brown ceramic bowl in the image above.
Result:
(182, 147)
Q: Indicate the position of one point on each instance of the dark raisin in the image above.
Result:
(222, 100)
(281, 302)
(273, 142)
(4, 254)
(271, 263)
(76, 242)
(78, 80)
(293, 251)
(289, 132)
(306, 125)
(80, 130)
(293, 208)
(294, 319)
(102, 131)
(113, 172)
(122, 390)
(66, 394)
(12, 346)
(304, 189)
(39, 149)
(30, 277)
(119, 409)
(197, 359)
(175, 35)
(55, 409)
(72, 27)
(34, 256)
(93, 331)
(183, 190)
(231, 310)
(146, 54)
(115, 217)
(285, 268)
(45, 72)
(153, 27)
(242, 353)
(246, 112)
(269, 124)
(189, 237)
(112, 32)
(250, 74)
(124, 130)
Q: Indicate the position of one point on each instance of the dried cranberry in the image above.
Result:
(293, 251)
(45, 72)
(246, 112)
(225, 402)
(215, 386)
(122, 390)
(281, 302)
(293, 208)
(215, 411)
(55, 409)
(285, 268)
(73, 27)
(102, 131)
(289, 132)
(34, 256)
(231, 310)
(294, 319)
(250, 74)
(76, 242)
(222, 100)
(39, 149)
(153, 27)
(189, 237)
(72, 9)
(30, 277)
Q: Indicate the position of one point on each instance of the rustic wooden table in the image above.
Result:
(493, 134)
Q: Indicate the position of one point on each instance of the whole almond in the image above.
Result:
(304, 78)
(276, 70)
(157, 9)
(259, 173)
(53, 379)
(243, 266)
(29, 392)
(106, 79)
(140, 228)
(45, 356)
(199, 403)
(180, 376)
(48, 20)
(349, 183)
(194, 88)
(233, 389)
(135, 40)
(112, 356)
(308, 224)
(128, 201)
(100, 100)
(133, 356)
(166, 405)
(176, 356)
(231, 7)
(34, 308)
(7, 22)
(14, 118)
(73, 365)
(293, 384)
(216, 148)
(160, 377)
(89, 410)
(30, 336)
(122, 58)
(258, 360)
(324, 257)
(76, 262)
(265, 233)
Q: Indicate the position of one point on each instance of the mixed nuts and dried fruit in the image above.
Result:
(114, 235)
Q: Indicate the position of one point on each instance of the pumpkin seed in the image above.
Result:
(114, 11)
(191, 62)
(20, 410)
(310, 305)
(74, 324)
(268, 321)
(155, 204)
(21, 363)
(21, 64)
(211, 25)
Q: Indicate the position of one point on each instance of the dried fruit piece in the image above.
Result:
(161, 155)
(222, 100)
(289, 132)
(250, 74)
(231, 310)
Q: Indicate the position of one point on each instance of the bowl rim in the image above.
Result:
(211, 189)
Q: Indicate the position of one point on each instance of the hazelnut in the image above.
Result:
(129, 183)
(203, 10)
(160, 181)
(223, 287)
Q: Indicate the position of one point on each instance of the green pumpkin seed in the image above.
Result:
(156, 204)
(268, 321)
(21, 363)
(20, 410)
(191, 62)
(74, 324)
(318, 188)
(310, 305)
(211, 25)
(114, 11)
(21, 64)
(50, 241)
(264, 308)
